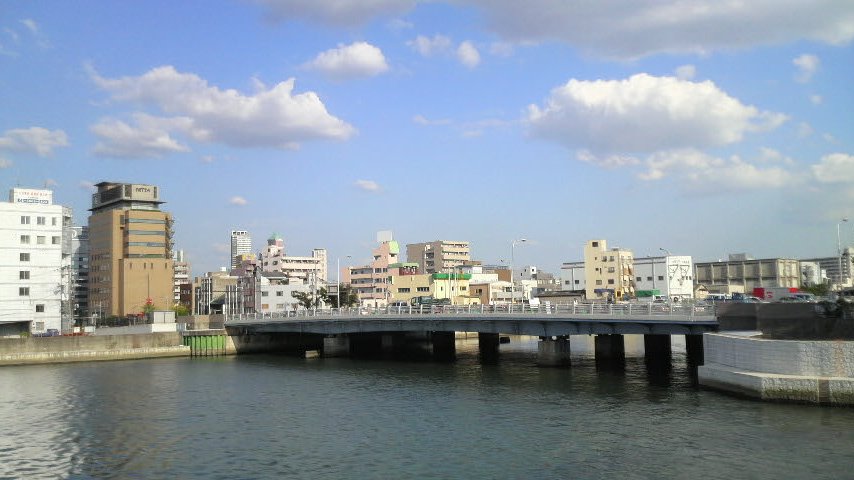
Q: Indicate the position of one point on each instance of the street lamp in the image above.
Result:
(839, 253)
(512, 258)
(338, 279)
(666, 251)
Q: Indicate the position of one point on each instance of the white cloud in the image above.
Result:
(31, 25)
(239, 201)
(816, 99)
(88, 186)
(422, 120)
(705, 173)
(368, 185)
(835, 168)
(38, 140)
(468, 55)
(399, 24)
(635, 28)
(804, 130)
(686, 72)
(51, 183)
(271, 117)
(807, 66)
(5, 163)
(608, 161)
(359, 59)
(428, 47)
(501, 49)
(645, 114)
(337, 12)
(148, 137)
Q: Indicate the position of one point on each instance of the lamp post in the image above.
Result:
(512, 258)
(338, 280)
(839, 252)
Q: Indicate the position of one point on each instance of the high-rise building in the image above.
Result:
(130, 242)
(438, 256)
(311, 270)
(35, 254)
(241, 243)
(80, 274)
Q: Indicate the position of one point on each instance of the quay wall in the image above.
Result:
(61, 349)
(805, 371)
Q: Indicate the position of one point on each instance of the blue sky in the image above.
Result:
(700, 127)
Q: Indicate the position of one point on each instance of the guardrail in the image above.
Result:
(580, 310)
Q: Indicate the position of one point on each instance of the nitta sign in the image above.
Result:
(31, 196)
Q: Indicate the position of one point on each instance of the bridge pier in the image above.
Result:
(487, 345)
(553, 352)
(336, 346)
(393, 342)
(694, 347)
(443, 345)
(610, 348)
(657, 348)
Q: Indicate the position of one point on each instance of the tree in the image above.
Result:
(310, 300)
(348, 297)
(819, 289)
(181, 310)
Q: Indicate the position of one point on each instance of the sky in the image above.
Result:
(688, 126)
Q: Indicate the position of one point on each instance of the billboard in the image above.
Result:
(31, 196)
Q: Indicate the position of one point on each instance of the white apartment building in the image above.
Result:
(309, 270)
(80, 273)
(572, 277)
(241, 243)
(35, 263)
(671, 276)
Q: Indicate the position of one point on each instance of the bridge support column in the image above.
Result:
(443, 345)
(610, 347)
(336, 346)
(393, 342)
(487, 345)
(553, 352)
(656, 348)
(694, 348)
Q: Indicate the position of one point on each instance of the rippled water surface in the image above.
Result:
(269, 416)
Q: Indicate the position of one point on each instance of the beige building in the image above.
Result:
(371, 282)
(405, 284)
(130, 240)
(439, 255)
(742, 273)
(608, 273)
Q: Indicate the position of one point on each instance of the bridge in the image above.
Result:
(338, 331)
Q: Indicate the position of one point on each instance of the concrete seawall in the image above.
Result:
(36, 350)
(804, 371)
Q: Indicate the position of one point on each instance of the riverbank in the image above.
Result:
(63, 349)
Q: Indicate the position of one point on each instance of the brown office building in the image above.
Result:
(130, 241)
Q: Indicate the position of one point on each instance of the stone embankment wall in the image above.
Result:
(34, 350)
(807, 371)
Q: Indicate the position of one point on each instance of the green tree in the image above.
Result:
(819, 290)
(309, 300)
(348, 297)
(181, 310)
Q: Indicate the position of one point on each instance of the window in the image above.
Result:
(422, 289)
(610, 269)
(25, 257)
(280, 306)
(280, 293)
(53, 221)
(661, 277)
(40, 240)
(610, 281)
(54, 240)
(23, 291)
(265, 306)
(265, 294)
(577, 282)
(637, 279)
(611, 259)
(25, 239)
(25, 220)
(648, 279)
(595, 244)
(39, 308)
(40, 221)
(403, 290)
(24, 275)
(598, 282)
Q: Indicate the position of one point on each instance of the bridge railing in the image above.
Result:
(579, 310)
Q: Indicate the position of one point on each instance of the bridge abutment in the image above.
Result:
(610, 348)
(553, 352)
(657, 348)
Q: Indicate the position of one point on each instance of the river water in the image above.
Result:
(270, 416)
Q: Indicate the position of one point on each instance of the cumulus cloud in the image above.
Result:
(88, 186)
(686, 72)
(273, 117)
(239, 201)
(645, 114)
(428, 47)
(37, 140)
(335, 13)
(359, 59)
(804, 130)
(807, 66)
(635, 28)
(835, 168)
(468, 55)
(368, 185)
(422, 120)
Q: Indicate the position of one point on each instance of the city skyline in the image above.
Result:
(645, 123)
